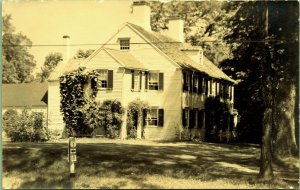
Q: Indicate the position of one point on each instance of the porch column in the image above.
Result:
(123, 127)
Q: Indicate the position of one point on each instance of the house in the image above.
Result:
(173, 77)
(25, 95)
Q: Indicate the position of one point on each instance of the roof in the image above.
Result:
(63, 68)
(173, 49)
(24, 94)
(125, 58)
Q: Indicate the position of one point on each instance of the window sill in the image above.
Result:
(152, 126)
(135, 90)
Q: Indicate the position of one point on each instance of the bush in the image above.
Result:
(25, 126)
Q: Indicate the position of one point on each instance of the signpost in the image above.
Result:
(72, 155)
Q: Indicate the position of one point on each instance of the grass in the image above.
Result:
(104, 163)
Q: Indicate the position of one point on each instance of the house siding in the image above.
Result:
(55, 118)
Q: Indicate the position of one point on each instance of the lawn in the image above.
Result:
(104, 163)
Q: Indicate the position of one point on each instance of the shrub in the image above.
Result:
(24, 126)
(111, 112)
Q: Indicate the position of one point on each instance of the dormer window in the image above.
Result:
(124, 44)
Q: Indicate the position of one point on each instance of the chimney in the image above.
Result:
(141, 13)
(175, 30)
(66, 43)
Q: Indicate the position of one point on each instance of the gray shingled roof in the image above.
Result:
(125, 58)
(173, 48)
(63, 68)
(25, 94)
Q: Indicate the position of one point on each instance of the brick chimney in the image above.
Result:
(175, 30)
(66, 43)
(141, 13)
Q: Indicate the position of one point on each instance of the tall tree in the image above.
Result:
(82, 54)
(265, 37)
(51, 61)
(17, 62)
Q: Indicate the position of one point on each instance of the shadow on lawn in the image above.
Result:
(206, 161)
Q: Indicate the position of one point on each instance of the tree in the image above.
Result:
(17, 62)
(265, 40)
(50, 63)
(82, 54)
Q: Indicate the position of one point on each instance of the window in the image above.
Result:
(136, 81)
(195, 83)
(155, 117)
(102, 78)
(155, 81)
(185, 117)
(186, 81)
(124, 44)
(105, 79)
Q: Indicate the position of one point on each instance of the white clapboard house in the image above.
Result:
(172, 76)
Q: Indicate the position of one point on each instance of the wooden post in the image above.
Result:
(123, 134)
(72, 155)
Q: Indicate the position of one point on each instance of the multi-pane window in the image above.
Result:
(155, 117)
(102, 79)
(185, 117)
(195, 83)
(124, 44)
(186, 81)
(153, 81)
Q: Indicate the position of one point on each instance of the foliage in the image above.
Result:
(25, 126)
(78, 90)
(265, 59)
(82, 54)
(204, 24)
(111, 112)
(134, 112)
(50, 63)
(17, 62)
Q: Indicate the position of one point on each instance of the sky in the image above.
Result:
(44, 22)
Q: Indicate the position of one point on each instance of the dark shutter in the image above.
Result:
(146, 80)
(191, 83)
(192, 119)
(144, 117)
(183, 118)
(161, 81)
(141, 74)
(110, 79)
(161, 117)
(132, 80)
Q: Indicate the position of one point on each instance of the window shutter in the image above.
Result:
(161, 81)
(161, 117)
(110, 79)
(183, 118)
(141, 74)
(191, 83)
(144, 117)
(192, 121)
(132, 80)
(146, 80)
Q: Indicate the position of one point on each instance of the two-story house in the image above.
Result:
(173, 77)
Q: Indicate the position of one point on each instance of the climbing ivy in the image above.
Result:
(134, 112)
(78, 90)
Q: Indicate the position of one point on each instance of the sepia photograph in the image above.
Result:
(150, 94)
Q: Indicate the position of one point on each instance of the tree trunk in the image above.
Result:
(266, 170)
(284, 141)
